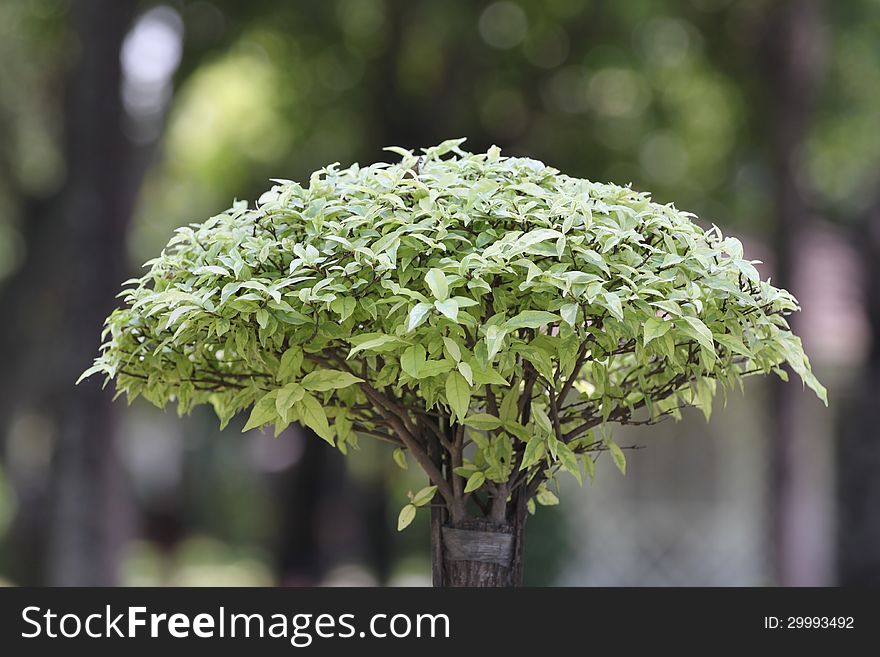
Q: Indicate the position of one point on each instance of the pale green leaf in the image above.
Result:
(413, 360)
(452, 348)
(436, 282)
(568, 312)
(399, 457)
(448, 308)
(263, 412)
(482, 421)
(287, 397)
(418, 315)
(424, 496)
(322, 380)
(291, 362)
(533, 453)
(312, 414)
(458, 394)
(466, 372)
(569, 461)
(475, 481)
(378, 343)
(617, 455)
(655, 328)
(530, 319)
(407, 515)
(695, 328)
(546, 497)
(612, 302)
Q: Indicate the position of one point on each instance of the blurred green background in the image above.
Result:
(121, 120)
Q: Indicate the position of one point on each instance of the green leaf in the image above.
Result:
(569, 461)
(424, 496)
(516, 429)
(617, 455)
(534, 452)
(568, 312)
(475, 481)
(509, 410)
(263, 412)
(210, 269)
(482, 421)
(655, 328)
(94, 369)
(487, 377)
(322, 380)
(611, 301)
(377, 343)
(530, 319)
(312, 414)
(733, 343)
(494, 340)
(407, 515)
(344, 307)
(291, 362)
(287, 397)
(177, 313)
(696, 329)
(542, 420)
(448, 308)
(546, 497)
(413, 360)
(594, 258)
(458, 394)
(436, 281)
(435, 367)
(466, 372)
(452, 348)
(418, 315)
(399, 457)
(539, 358)
(590, 465)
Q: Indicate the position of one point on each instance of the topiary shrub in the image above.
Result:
(488, 315)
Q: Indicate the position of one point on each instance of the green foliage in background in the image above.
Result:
(487, 314)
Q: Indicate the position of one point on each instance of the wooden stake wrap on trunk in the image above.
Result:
(478, 552)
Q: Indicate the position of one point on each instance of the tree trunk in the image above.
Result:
(858, 449)
(792, 65)
(89, 507)
(478, 552)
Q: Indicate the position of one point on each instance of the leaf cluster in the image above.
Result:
(487, 314)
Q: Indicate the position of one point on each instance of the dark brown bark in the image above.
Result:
(93, 212)
(478, 552)
(792, 67)
(74, 261)
(858, 450)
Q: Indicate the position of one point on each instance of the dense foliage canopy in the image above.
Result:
(488, 314)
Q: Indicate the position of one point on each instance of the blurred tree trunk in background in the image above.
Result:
(300, 556)
(75, 260)
(859, 448)
(92, 216)
(794, 50)
(329, 518)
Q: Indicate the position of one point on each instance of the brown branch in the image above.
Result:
(554, 414)
(530, 375)
(428, 465)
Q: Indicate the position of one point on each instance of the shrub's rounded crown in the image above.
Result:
(449, 283)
